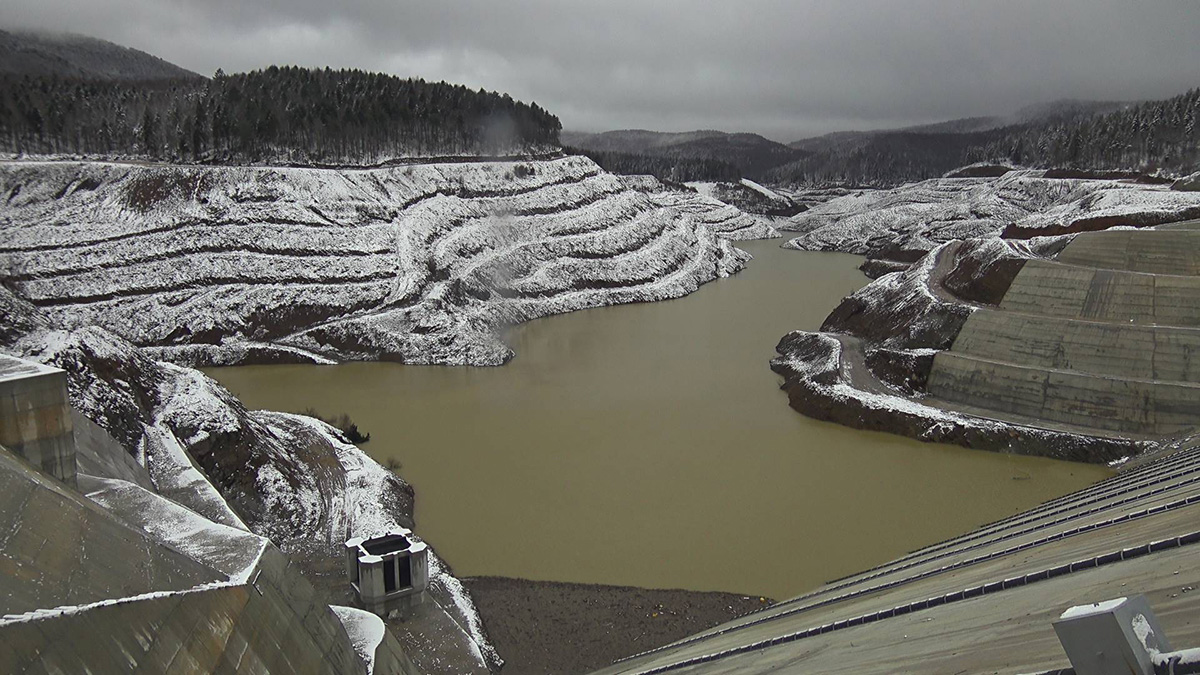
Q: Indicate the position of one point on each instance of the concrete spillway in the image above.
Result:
(1105, 338)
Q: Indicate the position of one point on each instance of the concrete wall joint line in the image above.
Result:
(1088, 563)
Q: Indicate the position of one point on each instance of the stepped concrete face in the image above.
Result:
(1104, 337)
(35, 417)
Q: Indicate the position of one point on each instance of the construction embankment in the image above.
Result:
(1104, 337)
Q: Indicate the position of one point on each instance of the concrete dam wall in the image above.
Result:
(1105, 338)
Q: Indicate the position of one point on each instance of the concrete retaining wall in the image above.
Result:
(1112, 404)
(1121, 350)
(1053, 289)
(1151, 251)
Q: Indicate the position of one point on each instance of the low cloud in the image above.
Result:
(782, 68)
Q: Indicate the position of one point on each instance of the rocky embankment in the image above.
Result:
(990, 334)
(419, 264)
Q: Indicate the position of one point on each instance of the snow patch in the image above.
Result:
(1094, 608)
(366, 631)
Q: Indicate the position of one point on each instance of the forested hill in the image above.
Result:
(694, 155)
(667, 168)
(1144, 137)
(64, 54)
(278, 115)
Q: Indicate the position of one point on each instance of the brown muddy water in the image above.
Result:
(650, 445)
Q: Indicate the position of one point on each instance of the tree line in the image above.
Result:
(286, 115)
(663, 167)
(1147, 137)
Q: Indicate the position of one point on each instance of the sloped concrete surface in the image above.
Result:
(983, 601)
(59, 548)
(97, 453)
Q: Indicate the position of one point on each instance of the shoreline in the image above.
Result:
(563, 628)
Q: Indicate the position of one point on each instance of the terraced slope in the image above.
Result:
(905, 223)
(421, 264)
(983, 601)
(1103, 337)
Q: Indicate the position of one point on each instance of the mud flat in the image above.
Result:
(547, 627)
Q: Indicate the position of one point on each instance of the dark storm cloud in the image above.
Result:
(784, 69)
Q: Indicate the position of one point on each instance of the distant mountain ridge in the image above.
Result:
(693, 155)
(69, 55)
(875, 157)
(1143, 136)
(1053, 111)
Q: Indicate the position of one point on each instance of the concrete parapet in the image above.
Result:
(35, 416)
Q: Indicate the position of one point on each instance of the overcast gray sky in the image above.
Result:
(783, 69)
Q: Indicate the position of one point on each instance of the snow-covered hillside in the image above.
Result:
(905, 223)
(290, 478)
(422, 264)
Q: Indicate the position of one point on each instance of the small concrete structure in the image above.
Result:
(389, 572)
(35, 416)
(1114, 637)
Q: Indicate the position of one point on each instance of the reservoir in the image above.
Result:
(650, 445)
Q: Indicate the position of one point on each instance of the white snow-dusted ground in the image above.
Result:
(365, 630)
(421, 264)
(919, 216)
